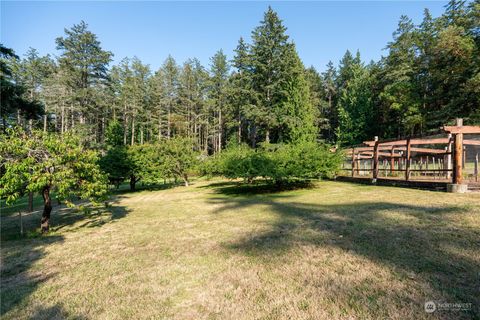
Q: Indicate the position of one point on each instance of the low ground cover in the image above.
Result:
(216, 250)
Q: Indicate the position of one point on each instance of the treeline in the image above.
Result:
(430, 75)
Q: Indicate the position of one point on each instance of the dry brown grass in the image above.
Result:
(214, 251)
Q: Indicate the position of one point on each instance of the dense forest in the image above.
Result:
(429, 76)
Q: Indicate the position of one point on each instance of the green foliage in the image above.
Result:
(151, 162)
(114, 134)
(15, 100)
(304, 161)
(180, 158)
(355, 105)
(283, 163)
(244, 162)
(274, 93)
(429, 75)
(31, 162)
(116, 164)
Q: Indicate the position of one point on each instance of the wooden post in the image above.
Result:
(476, 168)
(421, 166)
(464, 156)
(375, 160)
(353, 162)
(458, 155)
(392, 160)
(449, 157)
(434, 168)
(407, 160)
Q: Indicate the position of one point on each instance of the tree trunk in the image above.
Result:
(30, 201)
(133, 181)
(47, 209)
(220, 130)
(239, 137)
(125, 124)
(133, 131)
(253, 135)
(159, 127)
(62, 129)
(168, 124)
(185, 179)
(267, 136)
(45, 123)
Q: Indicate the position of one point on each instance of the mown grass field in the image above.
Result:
(217, 251)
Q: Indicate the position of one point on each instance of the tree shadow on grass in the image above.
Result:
(54, 312)
(424, 241)
(258, 187)
(125, 188)
(63, 217)
(18, 255)
(17, 259)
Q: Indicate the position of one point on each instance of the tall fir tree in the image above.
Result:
(85, 68)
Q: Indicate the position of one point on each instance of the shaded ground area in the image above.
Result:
(219, 250)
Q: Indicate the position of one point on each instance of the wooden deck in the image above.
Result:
(438, 185)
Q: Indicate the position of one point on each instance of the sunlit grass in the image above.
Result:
(217, 251)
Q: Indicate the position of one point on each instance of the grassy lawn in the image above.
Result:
(216, 251)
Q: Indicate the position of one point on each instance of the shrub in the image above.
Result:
(301, 161)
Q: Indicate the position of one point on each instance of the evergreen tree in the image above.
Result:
(355, 107)
(268, 50)
(329, 95)
(85, 68)
(170, 72)
(400, 93)
(241, 95)
(278, 79)
(219, 73)
(16, 105)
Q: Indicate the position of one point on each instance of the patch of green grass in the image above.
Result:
(217, 250)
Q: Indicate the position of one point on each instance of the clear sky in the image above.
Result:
(322, 31)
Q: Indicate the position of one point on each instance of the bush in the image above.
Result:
(150, 162)
(246, 163)
(276, 163)
(304, 161)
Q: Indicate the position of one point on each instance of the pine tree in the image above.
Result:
(242, 95)
(170, 87)
(329, 86)
(268, 50)
(355, 103)
(84, 65)
(400, 93)
(278, 79)
(219, 73)
(192, 91)
(16, 105)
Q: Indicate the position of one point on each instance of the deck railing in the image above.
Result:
(450, 156)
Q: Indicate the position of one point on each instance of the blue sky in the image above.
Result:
(322, 30)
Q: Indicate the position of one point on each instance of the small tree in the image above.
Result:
(146, 163)
(179, 157)
(44, 162)
(279, 163)
(241, 161)
(116, 164)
